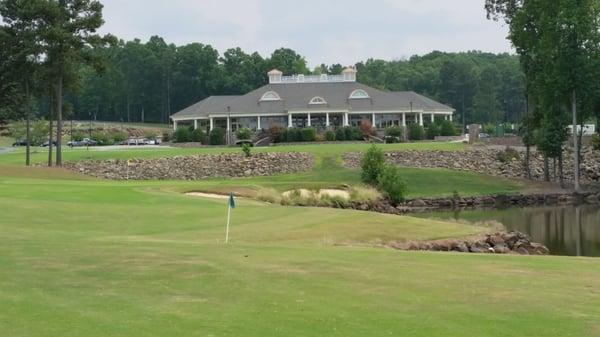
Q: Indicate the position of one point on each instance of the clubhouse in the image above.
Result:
(322, 102)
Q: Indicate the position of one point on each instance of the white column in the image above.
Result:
(416, 118)
(195, 124)
(432, 118)
(403, 119)
(309, 121)
(451, 118)
(290, 121)
(327, 122)
(228, 124)
(421, 119)
(258, 127)
(174, 125)
(346, 120)
(212, 124)
(374, 121)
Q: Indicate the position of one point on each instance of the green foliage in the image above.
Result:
(340, 134)
(490, 129)
(150, 135)
(247, 150)
(390, 182)
(329, 136)
(508, 155)
(102, 138)
(309, 135)
(217, 136)
(433, 130)
(39, 131)
(352, 133)
(78, 135)
(416, 132)
(120, 136)
(243, 134)
(372, 165)
(393, 134)
(447, 129)
(596, 142)
(166, 136)
(277, 133)
(198, 136)
(181, 135)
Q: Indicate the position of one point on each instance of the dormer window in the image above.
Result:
(358, 94)
(317, 101)
(270, 96)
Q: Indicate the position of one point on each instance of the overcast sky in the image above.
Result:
(345, 31)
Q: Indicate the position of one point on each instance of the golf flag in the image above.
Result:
(230, 206)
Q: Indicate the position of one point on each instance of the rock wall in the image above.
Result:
(485, 160)
(196, 167)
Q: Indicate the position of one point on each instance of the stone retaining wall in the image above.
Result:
(196, 167)
(485, 161)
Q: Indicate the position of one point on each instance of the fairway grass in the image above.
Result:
(83, 257)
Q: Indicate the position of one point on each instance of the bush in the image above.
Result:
(366, 128)
(77, 135)
(490, 129)
(309, 135)
(243, 134)
(416, 132)
(150, 135)
(393, 134)
(508, 155)
(102, 138)
(433, 131)
(372, 165)
(181, 135)
(353, 133)
(340, 134)
(330, 136)
(596, 142)
(390, 182)
(247, 149)
(276, 132)
(217, 136)
(447, 129)
(198, 136)
(166, 136)
(119, 136)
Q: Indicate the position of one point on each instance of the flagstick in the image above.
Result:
(228, 219)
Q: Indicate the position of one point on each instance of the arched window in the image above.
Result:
(270, 96)
(359, 93)
(317, 101)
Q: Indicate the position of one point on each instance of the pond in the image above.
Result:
(568, 230)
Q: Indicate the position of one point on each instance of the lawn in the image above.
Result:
(82, 257)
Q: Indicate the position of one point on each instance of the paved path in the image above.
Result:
(4, 150)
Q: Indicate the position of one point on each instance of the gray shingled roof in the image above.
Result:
(296, 97)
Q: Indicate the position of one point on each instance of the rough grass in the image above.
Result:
(97, 258)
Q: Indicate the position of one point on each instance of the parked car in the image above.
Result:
(84, 142)
(20, 142)
(484, 135)
(47, 143)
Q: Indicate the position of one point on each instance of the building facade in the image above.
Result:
(322, 102)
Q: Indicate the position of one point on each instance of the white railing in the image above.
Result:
(315, 79)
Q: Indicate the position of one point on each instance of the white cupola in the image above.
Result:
(275, 76)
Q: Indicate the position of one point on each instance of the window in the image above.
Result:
(317, 101)
(359, 93)
(270, 96)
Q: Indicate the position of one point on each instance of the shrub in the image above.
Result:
(77, 135)
(372, 164)
(390, 182)
(508, 155)
(150, 135)
(394, 131)
(490, 129)
(308, 135)
(416, 132)
(353, 133)
(247, 149)
(596, 142)
(198, 136)
(217, 136)
(447, 129)
(276, 132)
(102, 138)
(433, 131)
(166, 136)
(181, 135)
(243, 134)
(340, 134)
(330, 136)
(119, 136)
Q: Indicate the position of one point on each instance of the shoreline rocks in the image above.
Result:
(496, 243)
(196, 167)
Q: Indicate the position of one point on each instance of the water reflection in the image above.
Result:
(569, 230)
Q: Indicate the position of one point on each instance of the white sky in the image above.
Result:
(345, 31)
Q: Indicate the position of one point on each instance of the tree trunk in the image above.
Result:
(546, 168)
(28, 125)
(143, 114)
(527, 161)
(168, 99)
(50, 137)
(59, 111)
(575, 143)
(128, 110)
(561, 177)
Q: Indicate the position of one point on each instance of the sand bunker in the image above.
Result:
(207, 195)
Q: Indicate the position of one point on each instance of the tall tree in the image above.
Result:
(288, 61)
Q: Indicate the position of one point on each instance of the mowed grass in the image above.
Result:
(81, 257)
